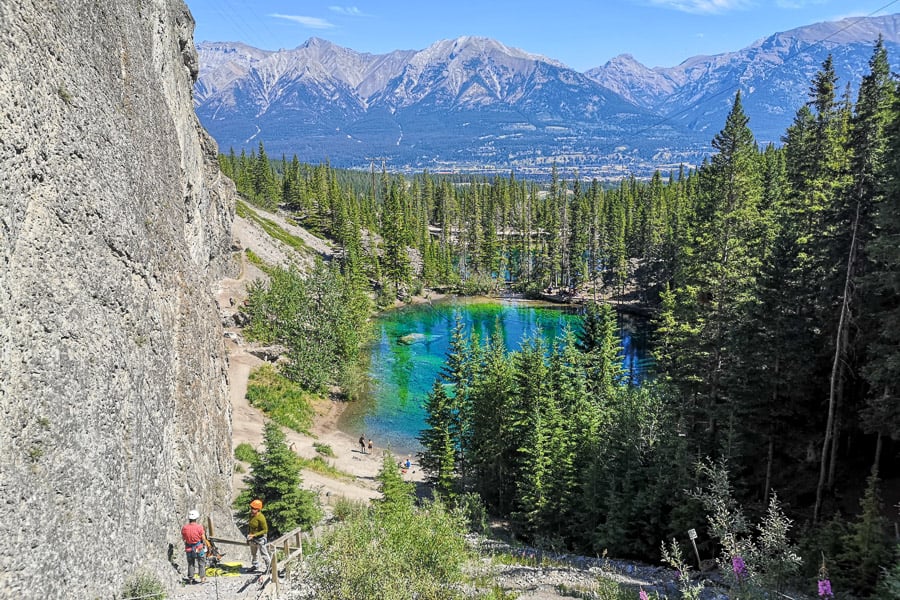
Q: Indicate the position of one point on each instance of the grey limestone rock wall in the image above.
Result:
(115, 224)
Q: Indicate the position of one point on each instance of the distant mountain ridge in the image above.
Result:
(774, 74)
(475, 104)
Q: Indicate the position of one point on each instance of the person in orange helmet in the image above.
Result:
(257, 531)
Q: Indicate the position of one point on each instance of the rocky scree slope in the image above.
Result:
(114, 225)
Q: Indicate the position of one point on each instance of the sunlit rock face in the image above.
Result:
(114, 227)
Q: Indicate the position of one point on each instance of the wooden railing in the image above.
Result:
(290, 554)
(282, 543)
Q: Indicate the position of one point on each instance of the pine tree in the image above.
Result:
(275, 479)
(719, 277)
(439, 457)
(599, 342)
(881, 414)
(493, 448)
(578, 236)
(397, 495)
(531, 430)
(396, 266)
(865, 547)
(459, 372)
(263, 180)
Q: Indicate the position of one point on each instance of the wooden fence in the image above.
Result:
(283, 543)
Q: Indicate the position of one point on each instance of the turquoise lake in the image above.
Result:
(411, 343)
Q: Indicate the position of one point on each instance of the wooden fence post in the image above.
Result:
(274, 573)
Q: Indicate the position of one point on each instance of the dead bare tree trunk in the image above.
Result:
(772, 428)
(838, 426)
(878, 444)
(769, 461)
(840, 341)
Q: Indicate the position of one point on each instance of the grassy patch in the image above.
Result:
(323, 449)
(245, 452)
(254, 259)
(602, 589)
(322, 467)
(281, 399)
(273, 229)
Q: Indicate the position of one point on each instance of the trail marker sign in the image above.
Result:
(692, 533)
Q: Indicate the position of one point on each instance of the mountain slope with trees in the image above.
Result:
(772, 272)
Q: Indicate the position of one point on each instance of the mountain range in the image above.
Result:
(475, 105)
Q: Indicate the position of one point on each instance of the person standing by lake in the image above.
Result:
(362, 444)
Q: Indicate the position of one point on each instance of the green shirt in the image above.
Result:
(258, 525)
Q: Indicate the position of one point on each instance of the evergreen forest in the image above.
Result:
(772, 424)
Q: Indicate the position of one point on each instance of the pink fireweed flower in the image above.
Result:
(738, 566)
(825, 589)
(643, 595)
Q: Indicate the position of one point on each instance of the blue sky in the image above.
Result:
(580, 33)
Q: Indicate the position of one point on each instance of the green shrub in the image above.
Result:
(319, 316)
(416, 288)
(417, 554)
(672, 556)
(282, 400)
(385, 296)
(145, 586)
(472, 509)
(477, 285)
(323, 449)
(246, 453)
(346, 509)
(752, 565)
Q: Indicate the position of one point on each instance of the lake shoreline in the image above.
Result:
(626, 303)
(410, 344)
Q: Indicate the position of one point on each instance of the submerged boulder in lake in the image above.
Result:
(411, 338)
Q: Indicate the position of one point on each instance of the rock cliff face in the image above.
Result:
(114, 226)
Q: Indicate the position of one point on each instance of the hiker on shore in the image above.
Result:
(370, 446)
(362, 444)
(256, 535)
(195, 546)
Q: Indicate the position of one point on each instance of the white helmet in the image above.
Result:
(194, 515)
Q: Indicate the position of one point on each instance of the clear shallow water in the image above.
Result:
(410, 345)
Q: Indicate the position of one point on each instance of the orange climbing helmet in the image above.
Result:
(257, 504)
